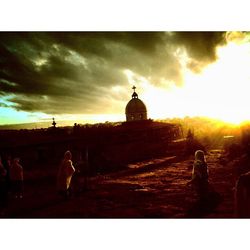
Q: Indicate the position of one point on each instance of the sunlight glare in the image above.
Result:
(220, 91)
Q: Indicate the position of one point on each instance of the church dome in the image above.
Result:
(136, 110)
(135, 105)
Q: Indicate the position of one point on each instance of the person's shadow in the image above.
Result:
(205, 205)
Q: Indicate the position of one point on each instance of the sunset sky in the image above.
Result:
(88, 76)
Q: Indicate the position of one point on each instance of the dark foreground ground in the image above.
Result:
(152, 189)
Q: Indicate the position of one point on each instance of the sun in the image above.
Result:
(220, 91)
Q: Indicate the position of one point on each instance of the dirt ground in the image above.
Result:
(151, 189)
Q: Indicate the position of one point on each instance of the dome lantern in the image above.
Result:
(134, 95)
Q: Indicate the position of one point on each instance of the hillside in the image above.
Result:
(149, 189)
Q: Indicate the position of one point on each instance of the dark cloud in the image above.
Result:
(73, 72)
(200, 46)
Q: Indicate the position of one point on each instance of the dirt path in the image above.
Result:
(162, 192)
(152, 189)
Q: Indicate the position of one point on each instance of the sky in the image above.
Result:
(88, 76)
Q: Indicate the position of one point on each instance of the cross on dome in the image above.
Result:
(53, 123)
(134, 95)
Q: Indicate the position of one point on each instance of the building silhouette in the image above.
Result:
(135, 110)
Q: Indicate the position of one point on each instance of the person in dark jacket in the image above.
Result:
(200, 174)
(242, 196)
(3, 189)
(16, 177)
(7, 164)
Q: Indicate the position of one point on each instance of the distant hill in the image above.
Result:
(33, 125)
(39, 125)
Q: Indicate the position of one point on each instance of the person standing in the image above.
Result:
(242, 196)
(200, 175)
(16, 178)
(65, 173)
(3, 189)
(7, 164)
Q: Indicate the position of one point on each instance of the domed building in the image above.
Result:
(135, 110)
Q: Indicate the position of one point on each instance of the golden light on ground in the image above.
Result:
(220, 91)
